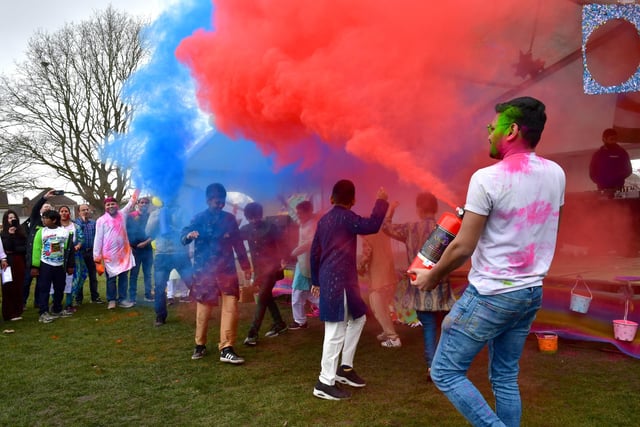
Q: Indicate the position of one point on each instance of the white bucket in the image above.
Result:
(580, 303)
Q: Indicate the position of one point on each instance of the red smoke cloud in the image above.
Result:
(394, 83)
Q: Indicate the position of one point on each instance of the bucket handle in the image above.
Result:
(579, 280)
(543, 334)
(626, 309)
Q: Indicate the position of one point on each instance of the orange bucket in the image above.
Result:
(547, 342)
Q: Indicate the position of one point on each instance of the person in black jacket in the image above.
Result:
(31, 226)
(610, 165)
(266, 255)
(14, 241)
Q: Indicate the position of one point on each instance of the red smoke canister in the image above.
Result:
(446, 229)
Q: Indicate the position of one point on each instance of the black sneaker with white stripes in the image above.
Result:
(347, 375)
(330, 392)
(227, 355)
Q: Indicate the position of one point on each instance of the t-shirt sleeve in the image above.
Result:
(478, 196)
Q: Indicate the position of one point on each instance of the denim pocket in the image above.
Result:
(484, 317)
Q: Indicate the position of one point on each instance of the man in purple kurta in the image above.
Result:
(335, 278)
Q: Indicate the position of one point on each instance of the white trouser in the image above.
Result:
(298, 299)
(339, 337)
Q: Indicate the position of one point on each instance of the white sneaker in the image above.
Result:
(46, 318)
(111, 305)
(125, 304)
(391, 342)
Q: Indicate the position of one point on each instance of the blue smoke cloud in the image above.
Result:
(165, 120)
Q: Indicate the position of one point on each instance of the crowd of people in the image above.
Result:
(509, 231)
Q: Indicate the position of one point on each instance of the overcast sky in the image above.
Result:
(19, 19)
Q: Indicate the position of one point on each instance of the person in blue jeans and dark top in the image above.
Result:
(141, 248)
(334, 278)
(266, 254)
(431, 305)
(170, 253)
(88, 267)
(509, 230)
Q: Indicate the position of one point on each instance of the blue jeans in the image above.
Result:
(503, 322)
(84, 269)
(144, 259)
(162, 266)
(429, 320)
(119, 294)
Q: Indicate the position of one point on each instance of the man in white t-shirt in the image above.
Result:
(509, 230)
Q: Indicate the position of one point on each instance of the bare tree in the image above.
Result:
(14, 176)
(64, 103)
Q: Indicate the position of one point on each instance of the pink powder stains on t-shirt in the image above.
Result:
(519, 262)
(537, 212)
(523, 259)
(517, 163)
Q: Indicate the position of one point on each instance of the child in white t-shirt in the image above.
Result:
(52, 258)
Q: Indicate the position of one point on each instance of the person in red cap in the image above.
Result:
(111, 247)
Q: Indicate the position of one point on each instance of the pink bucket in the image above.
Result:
(624, 330)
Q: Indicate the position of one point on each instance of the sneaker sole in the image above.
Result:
(296, 328)
(233, 362)
(276, 334)
(343, 380)
(322, 395)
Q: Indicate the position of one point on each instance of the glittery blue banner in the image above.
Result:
(593, 16)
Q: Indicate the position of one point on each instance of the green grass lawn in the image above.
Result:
(108, 368)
